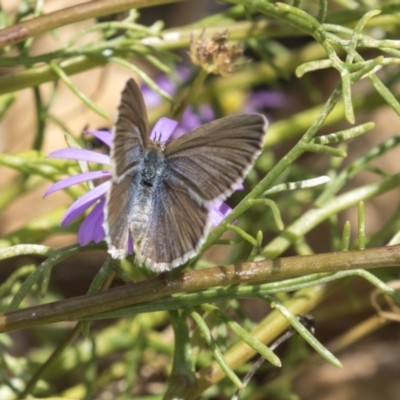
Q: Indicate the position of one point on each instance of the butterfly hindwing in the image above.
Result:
(118, 213)
(176, 229)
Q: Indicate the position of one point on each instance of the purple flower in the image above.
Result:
(91, 228)
(260, 100)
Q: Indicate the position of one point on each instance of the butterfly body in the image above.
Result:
(160, 196)
(152, 167)
(145, 185)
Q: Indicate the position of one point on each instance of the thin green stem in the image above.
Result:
(49, 363)
(194, 281)
(66, 16)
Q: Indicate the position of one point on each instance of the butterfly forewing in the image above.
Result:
(129, 142)
(130, 132)
(212, 159)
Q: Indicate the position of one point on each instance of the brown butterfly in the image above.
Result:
(160, 195)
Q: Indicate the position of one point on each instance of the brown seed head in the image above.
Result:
(217, 56)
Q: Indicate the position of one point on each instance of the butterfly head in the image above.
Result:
(157, 142)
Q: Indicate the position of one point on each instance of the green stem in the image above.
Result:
(70, 15)
(102, 281)
(267, 331)
(188, 96)
(183, 373)
(315, 216)
(40, 120)
(166, 40)
(48, 364)
(194, 281)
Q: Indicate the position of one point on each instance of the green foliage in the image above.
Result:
(285, 201)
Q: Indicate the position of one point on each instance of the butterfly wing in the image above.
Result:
(175, 231)
(129, 142)
(117, 215)
(200, 167)
(130, 132)
(214, 158)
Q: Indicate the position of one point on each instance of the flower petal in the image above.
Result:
(218, 211)
(259, 100)
(189, 121)
(91, 228)
(192, 118)
(206, 113)
(104, 136)
(84, 202)
(152, 98)
(73, 180)
(163, 129)
(130, 245)
(81, 155)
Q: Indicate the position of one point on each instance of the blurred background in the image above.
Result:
(371, 366)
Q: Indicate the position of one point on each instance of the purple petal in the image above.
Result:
(73, 180)
(165, 84)
(163, 129)
(191, 119)
(218, 211)
(104, 136)
(178, 132)
(81, 155)
(91, 228)
(262, 99)
(182, 74)
(152, 98)
(84, 202)
(130, 245)
(207, 113)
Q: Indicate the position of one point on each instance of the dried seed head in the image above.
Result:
(217, 56)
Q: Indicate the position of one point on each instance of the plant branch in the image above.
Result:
(92, 9)
(156, 288)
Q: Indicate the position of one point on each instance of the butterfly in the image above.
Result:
(160, 194)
